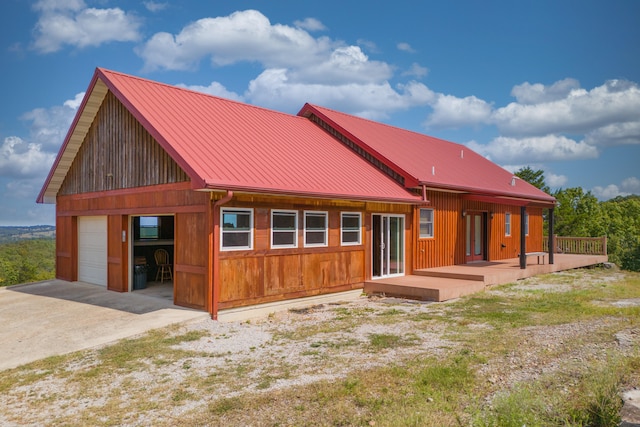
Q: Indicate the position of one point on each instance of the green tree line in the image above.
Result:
(27, 261)
(581, 214)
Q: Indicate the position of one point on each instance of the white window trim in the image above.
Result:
(359, 242)
(507, 221)
(222, 231)
(326, 230)
(295, 231)
(433, 220)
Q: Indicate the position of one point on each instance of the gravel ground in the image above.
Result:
(304, 346)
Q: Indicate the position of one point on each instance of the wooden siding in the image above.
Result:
(118, 153)
(117, 253)
(66, 248)
(447, 247)
(264, 274)
(191, 260)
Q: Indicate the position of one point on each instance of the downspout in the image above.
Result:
(215, 280)
(424, 194)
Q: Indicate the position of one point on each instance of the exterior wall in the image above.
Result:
(447, 247)
(264, 274)
(190, 210)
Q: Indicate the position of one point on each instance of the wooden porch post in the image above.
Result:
(523, 238)
(551, 239)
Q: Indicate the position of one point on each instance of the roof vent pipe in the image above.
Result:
(462, 154)
(513, 181)
(433, 170)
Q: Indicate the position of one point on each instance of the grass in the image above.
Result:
(491, 334)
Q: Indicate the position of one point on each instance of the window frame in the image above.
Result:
(294, 231)
(342, 229)
(223, 231)
(526, 223)
(507, 224)
(432, 222)
(325, 230)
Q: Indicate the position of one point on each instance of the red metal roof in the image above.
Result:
(422, 159)
(222, 144)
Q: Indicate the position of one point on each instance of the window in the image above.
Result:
(315, 228)
(284, 229)
(149, 227)
(507, 224)
(350, 223)
(526, 224)
(426, 223)
(237, 229)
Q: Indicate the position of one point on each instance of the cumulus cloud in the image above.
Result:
(453, 112)
(615, 134)
(242, 36)
(71, 22)
(631, 185)
(49, 126)
(535, 149)
(310, 24)
(273, 89)
(21, 159)
(578, 111)
(215, 89)
(555, 181)
(628, 186)
(537, 93)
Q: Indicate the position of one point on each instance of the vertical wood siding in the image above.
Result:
(66, 248)
(117, 253)
(191, 260)
(447, 247)
(119, 153)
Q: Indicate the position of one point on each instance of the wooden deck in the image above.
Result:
(445, 283)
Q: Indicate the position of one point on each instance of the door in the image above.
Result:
(475, 236)
(92, 249)
(387, 245)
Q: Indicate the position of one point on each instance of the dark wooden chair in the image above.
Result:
(164, 265)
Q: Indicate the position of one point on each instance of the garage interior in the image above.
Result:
(153, 254)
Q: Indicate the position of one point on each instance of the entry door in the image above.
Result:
(475, 236)
(388, 245)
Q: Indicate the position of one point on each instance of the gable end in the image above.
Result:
(117, 153)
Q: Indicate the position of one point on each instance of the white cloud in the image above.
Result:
(579, 111)
(20, 159)
(405, 47)
(242, 36)
(535, 149)
(49, 126)
(528, 93)
(273, 89)
(452, 112)
(416, 71)
(153, 6)
(215, 89)
(70, 22)
(628, 186)
(555, 181)
(631, 185)
(615, 134)
(310, 24)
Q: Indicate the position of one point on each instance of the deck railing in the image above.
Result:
(578, 245)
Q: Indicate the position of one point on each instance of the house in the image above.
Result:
(256, 206)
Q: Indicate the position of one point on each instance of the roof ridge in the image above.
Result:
(385, 124)
(106, 71)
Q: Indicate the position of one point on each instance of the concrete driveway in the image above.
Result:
(50, 318)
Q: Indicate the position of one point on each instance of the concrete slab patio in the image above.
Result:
(56, 317)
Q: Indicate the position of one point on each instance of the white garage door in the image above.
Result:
(92, 249)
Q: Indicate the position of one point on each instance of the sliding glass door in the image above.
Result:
(387, 245)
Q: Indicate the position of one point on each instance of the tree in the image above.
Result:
(578, 214)
(535, 178)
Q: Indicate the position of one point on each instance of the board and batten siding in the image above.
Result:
(447, 247)
(119, 153)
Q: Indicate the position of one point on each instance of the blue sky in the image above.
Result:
(549, 84)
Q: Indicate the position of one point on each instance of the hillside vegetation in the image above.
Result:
(27, 261)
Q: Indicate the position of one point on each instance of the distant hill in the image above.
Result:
(16, 233)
